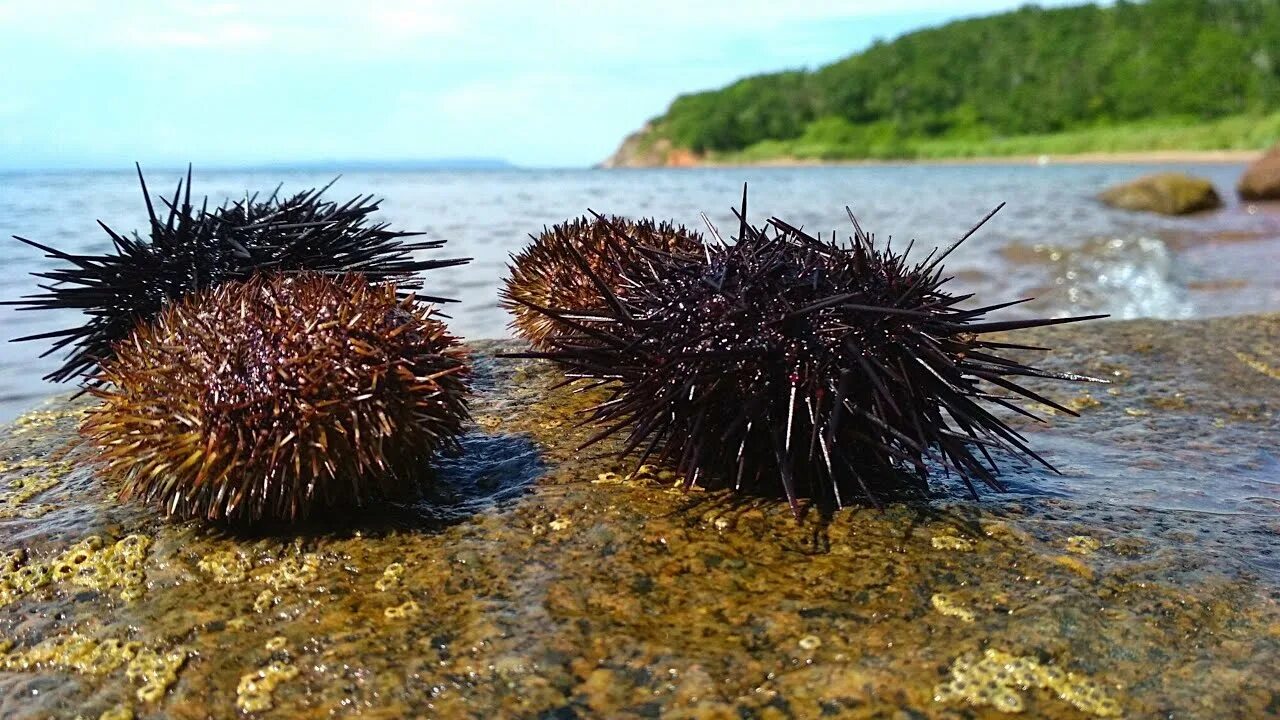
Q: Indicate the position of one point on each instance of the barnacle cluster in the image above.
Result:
(156, 671)
(41, 419)
(265, 600)
(997, 678)
(294, 571)
(226, 566)
(25, 486)
(291, 571)
(391, 577)
(254, 693)
(73, 652)
(90, 563)
(406, 609)
(13, 500)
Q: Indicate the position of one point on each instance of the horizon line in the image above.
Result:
(460, 163)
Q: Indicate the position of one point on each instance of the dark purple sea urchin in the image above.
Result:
(276, 397)
(188, 249)
(547, 274)
(789, 365)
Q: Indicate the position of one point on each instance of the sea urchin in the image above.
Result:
(789, 365)
(547, 274)
(278, 396)
(188, 249)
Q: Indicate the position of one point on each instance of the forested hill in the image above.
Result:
(1172, 67)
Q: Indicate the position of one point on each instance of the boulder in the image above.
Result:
(541, 579)
(1261, 181)
(1167, 193)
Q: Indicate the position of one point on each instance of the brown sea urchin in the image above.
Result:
(547, 274)
(790, 365)
(278, 396)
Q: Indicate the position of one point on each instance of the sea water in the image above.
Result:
(1052, 240)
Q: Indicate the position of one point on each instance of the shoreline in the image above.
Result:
(1152, 157)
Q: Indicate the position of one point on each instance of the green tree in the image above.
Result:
(1030, 71)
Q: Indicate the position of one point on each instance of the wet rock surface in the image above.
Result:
(556, 583)
(1168, 193)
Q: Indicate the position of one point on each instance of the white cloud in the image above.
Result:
(541, 83)
(412, 19)
(386, 24)
(213, 35)
(13, 106)
(295, 24)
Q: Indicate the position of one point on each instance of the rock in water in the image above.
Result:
(1168, 193)
(595, 594)
(1261, 181)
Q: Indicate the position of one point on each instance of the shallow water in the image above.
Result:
(1052, 240)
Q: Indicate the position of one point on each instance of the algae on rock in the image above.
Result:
(644, 601)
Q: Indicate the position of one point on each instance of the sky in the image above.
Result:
(89, 84)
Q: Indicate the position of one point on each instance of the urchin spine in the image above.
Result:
(190, 249)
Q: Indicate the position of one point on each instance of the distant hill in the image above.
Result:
(1164, 74)
(336, 166)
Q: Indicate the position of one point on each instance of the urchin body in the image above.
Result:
(278, 397)
(548, 274)
(788, 365)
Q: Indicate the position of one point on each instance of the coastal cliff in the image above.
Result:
(642, 149)
(1127, 77)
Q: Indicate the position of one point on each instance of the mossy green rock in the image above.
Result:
(1167, 193)
(558, 583)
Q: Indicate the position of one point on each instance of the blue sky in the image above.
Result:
(97, 84)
